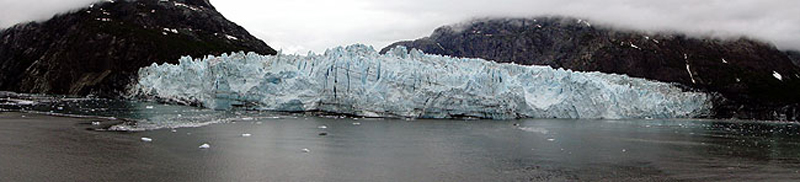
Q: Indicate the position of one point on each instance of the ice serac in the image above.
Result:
(357, 80)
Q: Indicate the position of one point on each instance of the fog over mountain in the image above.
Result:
(300, 26)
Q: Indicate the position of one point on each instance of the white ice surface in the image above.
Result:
(357, 80)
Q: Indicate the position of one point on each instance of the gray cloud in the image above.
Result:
(316, 25)
(16, 11)
(303, 25)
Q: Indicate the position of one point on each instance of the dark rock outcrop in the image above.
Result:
(97, 50)
(754, 79)
(794, 56)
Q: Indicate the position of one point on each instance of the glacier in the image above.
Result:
(357, 80)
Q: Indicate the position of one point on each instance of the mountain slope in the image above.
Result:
(754, 79)
(794, 56)
(98, 49)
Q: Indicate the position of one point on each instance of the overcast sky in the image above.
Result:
(297, 26)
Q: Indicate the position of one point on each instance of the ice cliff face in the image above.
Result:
(357, 80)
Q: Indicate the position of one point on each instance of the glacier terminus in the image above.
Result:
(357, 80)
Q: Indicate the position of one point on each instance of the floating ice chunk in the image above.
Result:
(322, 127)
(535, 130)
(204, 146)
(356, 123)
(231, 37)
(174, 131)
(370, 114)
(551, 139)
(60, 108)
(724, 61)
(247, 119)
(95, 123)
(246, 135)
(146, 139)
(148, 107)
(305, 150)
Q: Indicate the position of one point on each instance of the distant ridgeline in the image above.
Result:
(752, 78)
(98, 49)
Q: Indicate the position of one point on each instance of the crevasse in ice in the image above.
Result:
(357, 80)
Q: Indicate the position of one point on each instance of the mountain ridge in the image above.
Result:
(97, 50)
(754, 79)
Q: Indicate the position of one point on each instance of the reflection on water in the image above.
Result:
(450, 150)
(482, 150)
(147, 115)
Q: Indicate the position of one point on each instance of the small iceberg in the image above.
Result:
(305, 150)
(246, 135)
(204, 146)
(323, 127)
(146, 139)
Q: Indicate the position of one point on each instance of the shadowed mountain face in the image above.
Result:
(98, 49)
(754, 79)
(795, 56)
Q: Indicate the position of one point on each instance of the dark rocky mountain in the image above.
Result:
(98, 50)
(794, 56)
(752, 78)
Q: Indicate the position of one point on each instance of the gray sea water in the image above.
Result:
(364, 149)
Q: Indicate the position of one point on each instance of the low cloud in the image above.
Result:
(18, 11)
(320, 24)
(313, 25)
